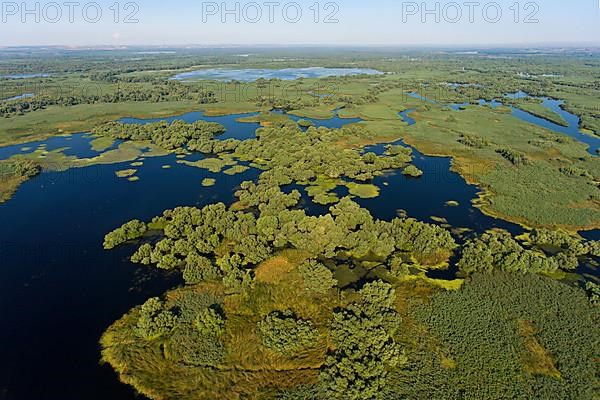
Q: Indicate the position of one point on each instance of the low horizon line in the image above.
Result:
(326, 45)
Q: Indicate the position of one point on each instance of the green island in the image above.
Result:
(271, 307)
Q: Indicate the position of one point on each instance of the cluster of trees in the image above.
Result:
(371, 96)
(215, 243)
(115, 76)
(472, 140)
(13, 172)
(166, 91)
(564, 242)
(284, 103)
(576, 172)
(412, 171)
(154, 320)
(170, 136)
(196, 337)
(593, 290)
(317, 277)
(286, 334)
(315, 153)
(308, 156)
(364, 349)
(499, 251)
(210, 322)
(130, 231)
(515, 157)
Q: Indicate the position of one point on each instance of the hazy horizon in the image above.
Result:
(503, 23)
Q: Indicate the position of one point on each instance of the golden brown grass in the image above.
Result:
(537, 360)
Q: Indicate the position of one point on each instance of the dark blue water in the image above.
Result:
(427, 196)
(572, 128)
(250, 75)
(59, 290)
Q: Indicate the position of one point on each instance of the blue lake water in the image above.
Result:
(59, 290)
(19, 97)
(25, 76)
(78, 145)
(250, 75)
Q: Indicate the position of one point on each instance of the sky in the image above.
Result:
(345, 22)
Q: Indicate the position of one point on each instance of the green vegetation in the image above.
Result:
(161, 92)
(208, 182)
(365, 350)
(535, 107)
(130, 231)
(270, 271)
(317, 277)
(499, 251)
(521, 180)
(126, 173)
(593, 290)
(504, 336)
(412, 171)
(154, 321)
(283, 333)
(318, 158)
(13, 173)
(520, 167)
(177, 135)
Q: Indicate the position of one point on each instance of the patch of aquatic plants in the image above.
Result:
(318, 158)
(504, 335)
